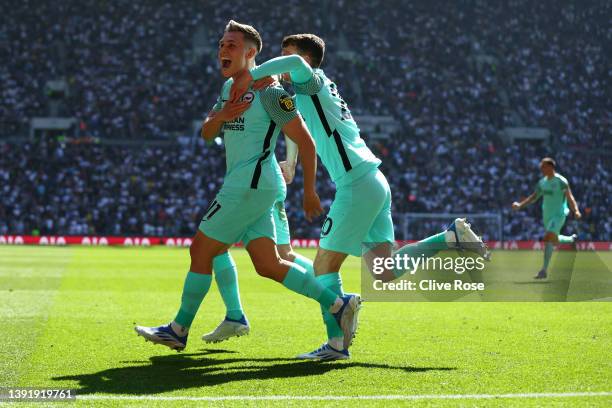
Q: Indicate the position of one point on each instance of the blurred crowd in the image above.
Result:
(452, 73)
(52, 187)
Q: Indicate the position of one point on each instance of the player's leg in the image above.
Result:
(553, 227)
(197, 283)
(566, 239)
(235, 323)
(269, 264)
(350, 217)
(283, 239)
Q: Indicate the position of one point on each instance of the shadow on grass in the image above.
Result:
(183, 371)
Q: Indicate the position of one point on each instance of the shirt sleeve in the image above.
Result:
(218, 105)
(311, 87)
(294, 64)
(564, 183)
(279, 105)
(538, 191)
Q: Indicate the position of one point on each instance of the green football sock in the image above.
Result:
(564, 239)
(427, 248)
(304, 263)
(226, 276)
(305, 284)
(548, 251)
(195, 288)
(333, 282)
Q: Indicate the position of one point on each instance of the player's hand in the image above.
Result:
(288, 171)
(264, 83)
(516, 206)
(577, 214)
(241, 85)
(312, 205)
(232, 110)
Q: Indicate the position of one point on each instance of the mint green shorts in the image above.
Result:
(281, 223)
(554, 224)
(360, 213)
(240, 214)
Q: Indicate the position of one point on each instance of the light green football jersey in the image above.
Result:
(250, 139)
(342, 150)
(554, 202)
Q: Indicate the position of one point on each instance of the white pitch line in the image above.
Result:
(344, 397)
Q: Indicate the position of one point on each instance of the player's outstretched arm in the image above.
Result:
(295, 65)
(572, 203)
(297, 131)
(519, 206)
(215, 119)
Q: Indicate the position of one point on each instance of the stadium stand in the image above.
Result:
(454, 75)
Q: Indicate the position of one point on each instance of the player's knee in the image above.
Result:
(269, 270)
(199, 262)
(265, 266)
(323, 265)
(550, 237)
(286, 252)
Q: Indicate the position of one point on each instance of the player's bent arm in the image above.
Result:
(297, 67)
(212, 126)
(519, 206)
(297, 131)
(572, 202)
(215, 119)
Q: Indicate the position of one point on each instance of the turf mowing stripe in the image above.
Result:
(347, 397)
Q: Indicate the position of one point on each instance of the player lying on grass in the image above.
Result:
(361, 210)
(556, 193)
(242, 210)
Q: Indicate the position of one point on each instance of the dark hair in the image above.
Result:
(307, 44)
(550, 161)
(250, 33)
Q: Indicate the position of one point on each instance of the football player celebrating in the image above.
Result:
(242, 210)
(556, 193)
(361, 210)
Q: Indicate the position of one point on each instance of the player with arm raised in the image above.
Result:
(361, 211)
(556, 194)
(242, 210)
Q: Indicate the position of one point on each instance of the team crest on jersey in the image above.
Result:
(248, 97)
(286, 103)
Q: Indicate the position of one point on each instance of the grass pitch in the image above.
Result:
(68, 314)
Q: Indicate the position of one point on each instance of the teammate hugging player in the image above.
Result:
(242, 210)
(555, 192)
(361, 210)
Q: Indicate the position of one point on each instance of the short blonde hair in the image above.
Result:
(250, 33)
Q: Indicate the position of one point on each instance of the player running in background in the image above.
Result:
(361, 210)
(242, 210)
(556, 193)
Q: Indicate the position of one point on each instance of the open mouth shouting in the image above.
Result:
(226, 63)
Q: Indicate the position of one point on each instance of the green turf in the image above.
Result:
(67, 316)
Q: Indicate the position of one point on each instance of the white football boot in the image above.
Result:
(228, 328)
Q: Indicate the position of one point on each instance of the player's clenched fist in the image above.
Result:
(312, 205)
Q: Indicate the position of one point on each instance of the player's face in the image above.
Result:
(546, 169)
(233, 53)
(288, 50)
